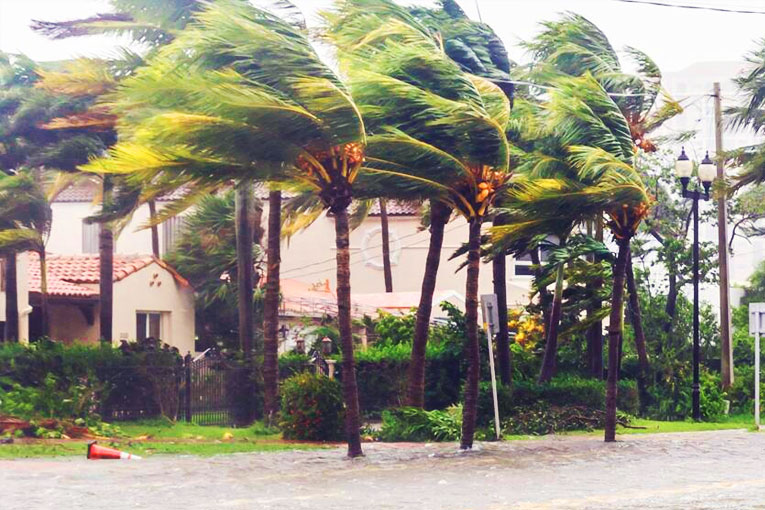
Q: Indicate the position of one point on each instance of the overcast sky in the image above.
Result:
(674, 37)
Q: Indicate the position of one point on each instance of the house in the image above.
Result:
(150, 300)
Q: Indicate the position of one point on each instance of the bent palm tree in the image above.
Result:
(243, 95)
(439, 133)
(26, 220)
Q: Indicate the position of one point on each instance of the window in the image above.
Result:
(171, 231)
(90, 233)
(523, 264)
(148, 325)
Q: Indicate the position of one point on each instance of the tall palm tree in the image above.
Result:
(29, 113)
(26, 220)
(477, 50)
(438, 132)
(572, 47)
(242, 94)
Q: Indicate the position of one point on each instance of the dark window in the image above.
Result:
(148, 324)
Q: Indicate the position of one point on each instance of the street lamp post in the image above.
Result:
(706, 174)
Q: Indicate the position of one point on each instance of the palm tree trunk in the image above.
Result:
(350, 389)
(614, 334)
(470, 406)
(106, 282)
(245, 267)
(594, 333)
(154, 229)
(551, 342)
(499, 274)
(106, 269)
(636, 319)
(439, 215)
(44, 328)
(271, 307)
(11, 333)
(387, 272)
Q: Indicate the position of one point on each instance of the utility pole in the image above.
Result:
(726, 355)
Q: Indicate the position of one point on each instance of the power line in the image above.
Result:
(332, 259)
(695, 7)
(356, 262)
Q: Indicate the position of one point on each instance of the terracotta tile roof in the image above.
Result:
(396, 208)
(87, 191)
(71, 275)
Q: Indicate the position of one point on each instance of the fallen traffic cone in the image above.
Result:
(96, 452)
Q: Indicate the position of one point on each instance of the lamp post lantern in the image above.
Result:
(706, 173)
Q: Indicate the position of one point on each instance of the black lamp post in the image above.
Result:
(706, 174)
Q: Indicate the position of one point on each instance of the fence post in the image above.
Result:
(187, 395)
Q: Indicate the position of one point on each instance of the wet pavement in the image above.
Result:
(692, 471)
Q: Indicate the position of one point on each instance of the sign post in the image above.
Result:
(756, 327)
(490, 323)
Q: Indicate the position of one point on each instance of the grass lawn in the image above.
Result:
(655, 427)
(146, 438)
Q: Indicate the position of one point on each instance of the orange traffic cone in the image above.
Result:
(96, 452)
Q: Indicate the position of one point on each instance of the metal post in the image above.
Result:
(489, 335)
(187, 394)
(757, 376)
(696, 345)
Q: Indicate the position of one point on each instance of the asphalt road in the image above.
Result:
(691, 471)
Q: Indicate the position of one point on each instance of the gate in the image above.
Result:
(217, 391)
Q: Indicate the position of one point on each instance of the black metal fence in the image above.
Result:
(207, 390)
(215, 391)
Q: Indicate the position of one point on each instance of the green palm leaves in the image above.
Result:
(240, 92)
(25, 212)
(436, 131)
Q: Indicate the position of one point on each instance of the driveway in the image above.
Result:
(701, 470)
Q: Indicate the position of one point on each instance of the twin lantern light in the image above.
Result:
(707, 171)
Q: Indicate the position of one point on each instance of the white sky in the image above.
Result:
(673, 37)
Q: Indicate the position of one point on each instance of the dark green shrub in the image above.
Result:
(292, 363)
(574, 390)
(672, 398)
(121, 382)
(312, 408)
(414, 424)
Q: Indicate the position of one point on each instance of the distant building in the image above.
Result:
(150, 300)
(309, 255)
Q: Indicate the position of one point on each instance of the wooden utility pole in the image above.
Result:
(726, 355)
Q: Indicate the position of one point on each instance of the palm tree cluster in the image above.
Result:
(232, 94)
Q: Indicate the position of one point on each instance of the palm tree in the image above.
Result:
(243, 95)
(438, 132)
(479, 51)
(750, 115)
(574, 47)
(26, 220)
(28, 133)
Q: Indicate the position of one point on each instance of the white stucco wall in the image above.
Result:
(22, 290)
(309, 256)
(154, 289)
(66, 231)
